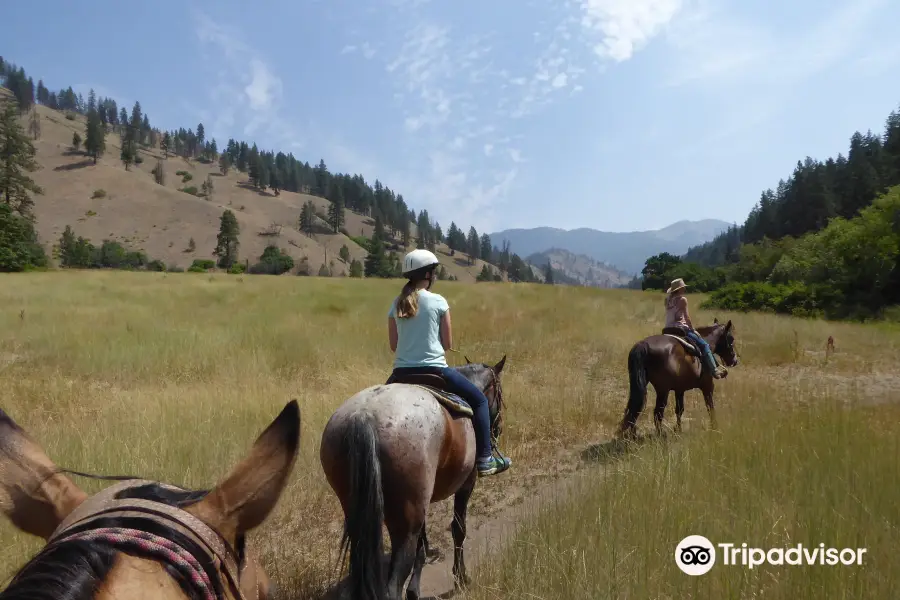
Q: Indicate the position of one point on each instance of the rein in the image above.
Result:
(105, 504)
(495, 383)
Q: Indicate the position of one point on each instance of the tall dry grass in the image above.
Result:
(172, 376)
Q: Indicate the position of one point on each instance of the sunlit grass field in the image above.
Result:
(172, 377)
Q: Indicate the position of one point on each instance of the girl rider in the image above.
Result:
(419, 333)
(677, 316)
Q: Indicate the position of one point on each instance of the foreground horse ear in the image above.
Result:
(468, 362)
(248, 494)
(33, 494)
(499, 366)
(728, 325)
(716, 321)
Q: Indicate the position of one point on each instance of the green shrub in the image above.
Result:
(192, 190)
(19, 246)
(203, 263)
(362, 241)
(273, 261)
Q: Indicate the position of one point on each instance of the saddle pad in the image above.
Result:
(689, 346)
(451, 402)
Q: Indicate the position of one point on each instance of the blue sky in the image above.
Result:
(613, 114)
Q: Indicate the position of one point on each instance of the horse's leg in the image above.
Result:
(662, 399)
(405, 526)
(679, 410)
(458, 528)
(710, 406)
(412, 590)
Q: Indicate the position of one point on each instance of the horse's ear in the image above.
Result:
(34, 495)
(728, 325)
(716, 321)
(248, 494)
(468, 362)
(499, 366)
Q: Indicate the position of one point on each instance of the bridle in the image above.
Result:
(104, 504)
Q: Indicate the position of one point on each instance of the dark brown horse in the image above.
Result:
(141, 539)
(388, 452)
(674, 365)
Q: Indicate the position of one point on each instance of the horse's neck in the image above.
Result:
(711, 335)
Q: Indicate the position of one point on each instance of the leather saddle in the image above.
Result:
(426, 380)
(679, 334)
(437, 385)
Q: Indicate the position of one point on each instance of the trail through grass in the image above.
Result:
(173, 376)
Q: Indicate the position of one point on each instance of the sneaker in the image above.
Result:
(720, 372)
(493, 465)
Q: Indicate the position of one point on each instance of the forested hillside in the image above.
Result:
(825, 241)
(287, 214)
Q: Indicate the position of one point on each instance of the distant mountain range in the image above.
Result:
(625, 251)
(578, 269)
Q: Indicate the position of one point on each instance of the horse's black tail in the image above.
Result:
(365, 512)
(637, 383)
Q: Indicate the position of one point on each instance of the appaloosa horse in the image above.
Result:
(140, 539)
(388, 452)
(671, 363)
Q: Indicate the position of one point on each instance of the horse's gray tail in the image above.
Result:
(637, 383)
(365, 511)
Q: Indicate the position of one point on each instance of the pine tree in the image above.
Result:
(548, 273)
(473, 243)
(224, 163)
(336, 209)
(165, 144)
(76, 142)
(159, 173)
(485, 248)
(16, 161)
(307, 217)
(356, 268)
(34, 124)
(95, 137)
(227, 241)
(128, 154)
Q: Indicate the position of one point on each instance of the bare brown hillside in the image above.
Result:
(106, 201)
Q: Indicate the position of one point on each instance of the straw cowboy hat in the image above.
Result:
(677, 284)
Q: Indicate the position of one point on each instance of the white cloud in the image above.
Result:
(245, 92)
(560, 80)
(625, 26)
(714, 46)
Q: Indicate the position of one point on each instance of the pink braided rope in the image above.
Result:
(154, 545)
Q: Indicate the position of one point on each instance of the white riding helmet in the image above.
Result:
(419, 259)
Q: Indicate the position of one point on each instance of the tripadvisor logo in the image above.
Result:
(696, 555)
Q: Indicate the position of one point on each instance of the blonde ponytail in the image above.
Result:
(408, 302)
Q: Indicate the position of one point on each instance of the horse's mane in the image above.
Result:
(74, 570)
(474, 372)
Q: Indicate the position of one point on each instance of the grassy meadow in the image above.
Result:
(172, 376)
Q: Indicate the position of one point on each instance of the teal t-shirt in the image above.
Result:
(419, 338)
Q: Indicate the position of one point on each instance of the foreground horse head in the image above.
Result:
(671, 364)
(388, 452)
(142, 539)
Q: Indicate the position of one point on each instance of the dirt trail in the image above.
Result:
(487, 533)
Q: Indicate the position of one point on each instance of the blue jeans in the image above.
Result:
(704, 347)
(459, 385)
